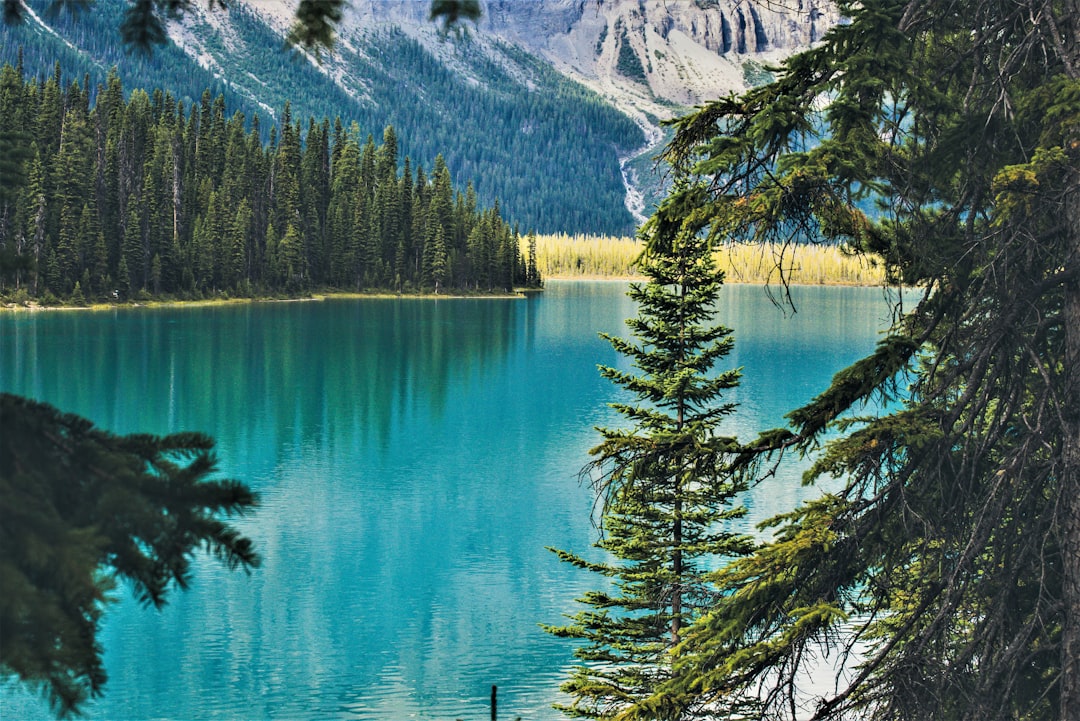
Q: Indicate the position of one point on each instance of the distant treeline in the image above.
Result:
(120, 199)
(582, 256)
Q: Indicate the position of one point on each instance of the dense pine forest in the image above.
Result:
(145, 197)
(545, 147)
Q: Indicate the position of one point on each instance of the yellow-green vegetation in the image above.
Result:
(803, 264)
(585, 256)
(582, 256)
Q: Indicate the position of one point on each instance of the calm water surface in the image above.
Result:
(414, 458)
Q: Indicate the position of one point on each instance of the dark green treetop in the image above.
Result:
(80, 509)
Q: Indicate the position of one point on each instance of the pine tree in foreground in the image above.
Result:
(666, 484)
(81, 508)
(938, 578)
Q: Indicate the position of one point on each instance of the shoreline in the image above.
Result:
(727, 281)
(313, 298)
(383, 295)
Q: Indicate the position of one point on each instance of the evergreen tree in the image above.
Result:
(291, 259)
(441, 208)
(315, 184)
(35, 201)
(67, 249)
(387, 157)
(14, 147)
(438, 256)
(77, 297)
(285, 179)
(155, 273)
(666, 483)
(123, 280)
(421, 197)
(97, 263)
(54, 281)
(477, 244)
(238, 252)
(943, 573)
(532, 273)
(80, 507)
(133, 250)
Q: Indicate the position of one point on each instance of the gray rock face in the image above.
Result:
(688, 50)
(722, 26)
(644, 53)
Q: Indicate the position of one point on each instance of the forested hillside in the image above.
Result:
(120, 198)
(546, 148)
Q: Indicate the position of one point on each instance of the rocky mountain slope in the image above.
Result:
(661, 51)
(650, 58)
(551, 106)
(687, 50)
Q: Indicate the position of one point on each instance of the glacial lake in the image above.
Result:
(413, 459)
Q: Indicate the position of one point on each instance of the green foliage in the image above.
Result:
(142, 26)
(315, 23)
(77, 297)
(452, 11)
(942, 576)
(667, 484)
(187, 202)
(80, 509)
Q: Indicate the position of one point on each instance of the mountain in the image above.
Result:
(550, 106)
(661, 52)
(651, 59)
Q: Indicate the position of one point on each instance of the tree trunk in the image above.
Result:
(677, 530)
(677, 571)
(1070, 477)
(1070, 493)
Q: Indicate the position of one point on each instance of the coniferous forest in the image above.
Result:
(131, 198)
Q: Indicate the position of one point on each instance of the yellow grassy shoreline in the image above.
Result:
(316, 297)
(582, 257)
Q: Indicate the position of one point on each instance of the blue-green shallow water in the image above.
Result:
(413, 458)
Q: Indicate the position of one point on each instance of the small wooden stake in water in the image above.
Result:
(494, 702)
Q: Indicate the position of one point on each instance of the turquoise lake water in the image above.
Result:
(413, 458)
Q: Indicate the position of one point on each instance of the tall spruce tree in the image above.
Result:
(665, 483)
(81, 508)
(942, 579)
